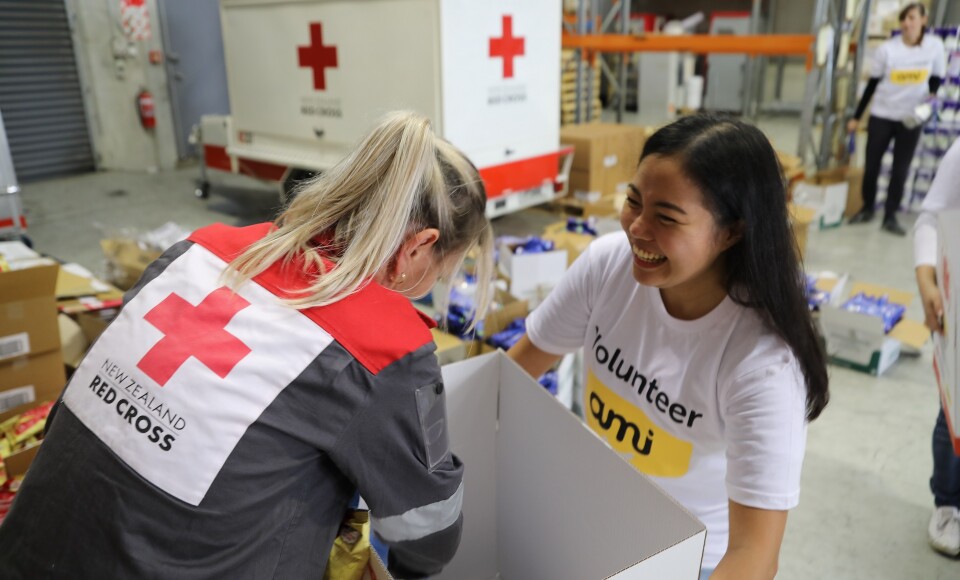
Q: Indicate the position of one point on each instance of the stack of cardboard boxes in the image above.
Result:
(31, 364)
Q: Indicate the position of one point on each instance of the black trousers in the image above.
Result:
(879, 133)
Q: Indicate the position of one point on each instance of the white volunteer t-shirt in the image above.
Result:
(711, 409)
(903, 72)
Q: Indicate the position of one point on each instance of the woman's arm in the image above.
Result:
(753, 550)
(530, 358)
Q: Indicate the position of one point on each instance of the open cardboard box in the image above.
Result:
(545, 498)
(532, 276)
(857, 341)
(946, 346)
(826, 194)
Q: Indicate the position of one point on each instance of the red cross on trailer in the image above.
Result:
(317, 56)
(197, 331)
(507, 47)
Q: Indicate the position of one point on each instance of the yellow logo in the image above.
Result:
(908, 76)
(627, 429)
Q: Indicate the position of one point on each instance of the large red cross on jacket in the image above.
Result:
(198, 331)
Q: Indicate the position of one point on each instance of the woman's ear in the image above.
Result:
(731, 235)
(415, 252)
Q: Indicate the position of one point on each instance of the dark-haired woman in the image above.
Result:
(703, 363)
(905, 70)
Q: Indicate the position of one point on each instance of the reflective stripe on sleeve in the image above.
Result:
(422, 521)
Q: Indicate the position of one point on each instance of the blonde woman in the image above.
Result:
(257, 378)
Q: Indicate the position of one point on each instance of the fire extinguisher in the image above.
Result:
(145, 108)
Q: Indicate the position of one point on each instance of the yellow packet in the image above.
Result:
(351, 548)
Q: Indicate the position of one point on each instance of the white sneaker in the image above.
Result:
(944, 530)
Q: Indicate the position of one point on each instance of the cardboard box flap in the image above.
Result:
(19, 462)
(543, 455)
(899, 296)
(28, 283)
(533, 500)
(911, 333)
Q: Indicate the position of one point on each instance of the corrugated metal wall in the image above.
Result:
(40, 93)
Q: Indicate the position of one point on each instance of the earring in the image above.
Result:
(403, 276)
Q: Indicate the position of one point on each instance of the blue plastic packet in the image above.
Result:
(510, 335)
(880, 307)
(582, 226)
(550, 381)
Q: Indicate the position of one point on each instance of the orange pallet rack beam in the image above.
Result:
(751, 44)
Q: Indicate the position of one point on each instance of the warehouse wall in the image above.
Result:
(114, 69)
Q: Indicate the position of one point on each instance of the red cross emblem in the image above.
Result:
(317, 56)
(507, 47)
(197, 331)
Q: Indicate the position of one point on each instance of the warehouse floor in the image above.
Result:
(865, 503)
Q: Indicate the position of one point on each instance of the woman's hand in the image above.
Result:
(931, 298)
(852, 125)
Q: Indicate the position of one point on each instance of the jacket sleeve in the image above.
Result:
(396, 451)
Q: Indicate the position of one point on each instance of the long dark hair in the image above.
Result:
(735, 167)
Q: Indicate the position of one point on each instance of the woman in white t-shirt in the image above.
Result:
(944, 195)
(906, 70)
(702, 362)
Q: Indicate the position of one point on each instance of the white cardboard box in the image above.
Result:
(545, 498)
(532, 276)
(857, 341)
(946, 347)
(828, 199)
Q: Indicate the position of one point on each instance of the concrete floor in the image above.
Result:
(865, 502)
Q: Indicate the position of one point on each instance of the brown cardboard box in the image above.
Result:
(854, 191)
(605, 155)
(28, 312)
(127, 260)
(800, 219)
(18, 463)
(854, 178)
(28, 381)
(572, 242)
(450, 349)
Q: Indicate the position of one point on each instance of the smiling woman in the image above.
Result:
(703, 365)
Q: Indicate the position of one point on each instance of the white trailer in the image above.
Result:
(307, 78)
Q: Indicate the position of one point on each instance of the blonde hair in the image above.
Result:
(400, 179)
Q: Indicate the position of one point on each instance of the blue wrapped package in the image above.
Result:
(815, 297)
(582, 226)
(462, 306)
(881, 307)
(510, 335)
(550, 381)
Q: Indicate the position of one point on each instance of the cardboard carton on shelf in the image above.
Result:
(605, 156)
(858, 341)
(539, 485)
(946, 346)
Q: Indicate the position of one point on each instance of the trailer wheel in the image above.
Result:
(293, 179)
(203, 190)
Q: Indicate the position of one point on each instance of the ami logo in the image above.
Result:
(318, 57)
(194, 331)
(507, 46)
